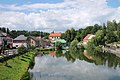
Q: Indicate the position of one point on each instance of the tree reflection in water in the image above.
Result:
(100, 58)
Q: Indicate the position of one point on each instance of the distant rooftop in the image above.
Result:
(89, 36)
(21, 37)
(55, 34)
(2, 34)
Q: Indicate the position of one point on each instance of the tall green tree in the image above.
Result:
(99, 38)
(111, 37)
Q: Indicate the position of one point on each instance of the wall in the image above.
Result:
(19, 44)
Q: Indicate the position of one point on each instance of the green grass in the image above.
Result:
(15, 69)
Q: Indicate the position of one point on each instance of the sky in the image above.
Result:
(56, 15)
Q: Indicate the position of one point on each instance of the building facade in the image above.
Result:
(54, 36)
(87, 38)
(20, 41)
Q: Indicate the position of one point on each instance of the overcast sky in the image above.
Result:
(56, 15)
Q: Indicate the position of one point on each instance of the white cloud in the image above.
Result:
(57, 17)
(52, 68)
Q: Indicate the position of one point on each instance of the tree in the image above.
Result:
(22, 49)
(112, 25)
(73, 46)
(74, 50)
(78, 36)
(99, 38)
(111, 37)
(8, 31)
(90, 47)
(73, 33)
(58, 45)
(3, 29)
(68, 36)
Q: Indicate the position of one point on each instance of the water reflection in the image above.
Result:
(75, 66)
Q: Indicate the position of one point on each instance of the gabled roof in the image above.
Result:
(89, 36)
(35, 38)
(21, 37)
(2, 34)
(55, 35)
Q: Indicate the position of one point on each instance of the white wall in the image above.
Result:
(19, 44)
(54, 38)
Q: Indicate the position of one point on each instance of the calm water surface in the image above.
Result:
(69, 66)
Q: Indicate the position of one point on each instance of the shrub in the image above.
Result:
(98, 49)
(82, 48)
(22, 49)
(58, 45)
(73, 46)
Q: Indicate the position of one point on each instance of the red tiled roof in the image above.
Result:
(86, 38)
(55, 34)
(52, 53)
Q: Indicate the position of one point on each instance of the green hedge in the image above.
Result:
(15, 68)
(46, 49)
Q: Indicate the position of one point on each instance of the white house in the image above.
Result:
(53, 36)
(19, 41)
(87, 38)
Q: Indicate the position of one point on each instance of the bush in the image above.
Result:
(22, 50)
(31, 47)
(90, 47)
(73, 46)
(58, 45)
(82, 48)
(46, 49)
(98, 49)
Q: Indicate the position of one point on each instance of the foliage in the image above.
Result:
(98, 49)
(73, 46)
(111, 37)
(46, 49)
(31, 47)
(99, 39)
(22, 50)
(69, 35)
(107, 33)
(58, 45)
(90, 47)
(82, 48)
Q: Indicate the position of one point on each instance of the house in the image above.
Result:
(2, 37)
(37, 42)
(19, 41)
(87, 38)
(5, 40)
(33, 41)
(45, 43)
(53, 36)
(9, 42)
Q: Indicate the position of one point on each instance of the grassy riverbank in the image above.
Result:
(15, 69)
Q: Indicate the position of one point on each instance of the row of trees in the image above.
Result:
(106, 33)
(15, 33)
(72, 34)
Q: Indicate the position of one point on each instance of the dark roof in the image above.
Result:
(21, 37)
(2, 34)
(35, 38)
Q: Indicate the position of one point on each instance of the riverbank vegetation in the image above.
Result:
(16, 68)
(15, 33)
(105, 34)
(45, 49)
(109, 32)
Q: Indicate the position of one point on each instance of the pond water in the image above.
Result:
(62, 65)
